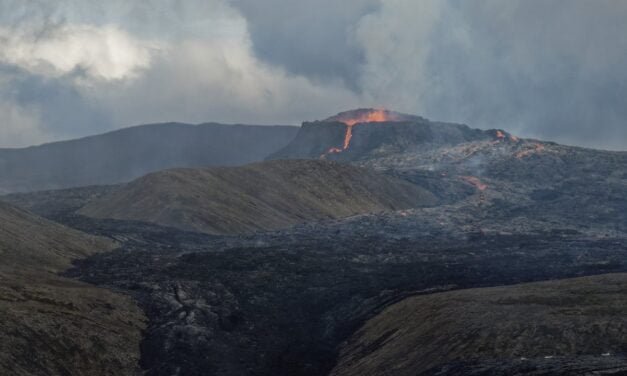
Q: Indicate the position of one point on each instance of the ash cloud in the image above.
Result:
(548, 69)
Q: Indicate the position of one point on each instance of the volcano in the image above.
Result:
(365, 115)
(367, 132)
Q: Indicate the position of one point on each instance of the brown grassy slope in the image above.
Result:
(261, 196)
(51, 325)
(557, 318)
(30, 241)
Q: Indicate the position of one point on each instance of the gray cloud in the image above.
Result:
(45, 109)
(550, 69)
(313, 38)
(200, 68)
(543, 68)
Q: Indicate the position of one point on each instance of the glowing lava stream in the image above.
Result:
(348, 136)
(474, 181)
(376, 116)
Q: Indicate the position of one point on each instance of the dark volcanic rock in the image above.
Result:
(281, 303)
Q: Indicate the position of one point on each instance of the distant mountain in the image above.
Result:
(567, 327)
(126, 154)
(53, 325)
(260, 196)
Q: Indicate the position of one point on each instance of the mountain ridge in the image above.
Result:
(128, 153)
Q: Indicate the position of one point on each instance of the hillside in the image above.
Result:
(261, 196)
(52, 325)
(129, 153)
(553, 325)
(27, 241)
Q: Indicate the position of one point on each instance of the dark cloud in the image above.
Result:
(312, 38)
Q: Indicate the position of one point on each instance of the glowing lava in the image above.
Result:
(536, 148)
(474, 181)
(372, 116)
(348, 136)
(502, 136)
(353, 118)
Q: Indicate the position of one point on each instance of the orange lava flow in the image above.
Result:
(370, 117)
(348, 136)
(475, 182)
(374, 116)
(536, 148)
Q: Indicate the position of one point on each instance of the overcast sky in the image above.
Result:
(550, 69)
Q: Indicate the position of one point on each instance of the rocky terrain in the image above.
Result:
(281, 303)
(129, 153)
(262, 196)
(54, 325)
(303, 300)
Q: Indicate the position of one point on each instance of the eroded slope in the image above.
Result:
(52, 325)
(568, 318)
